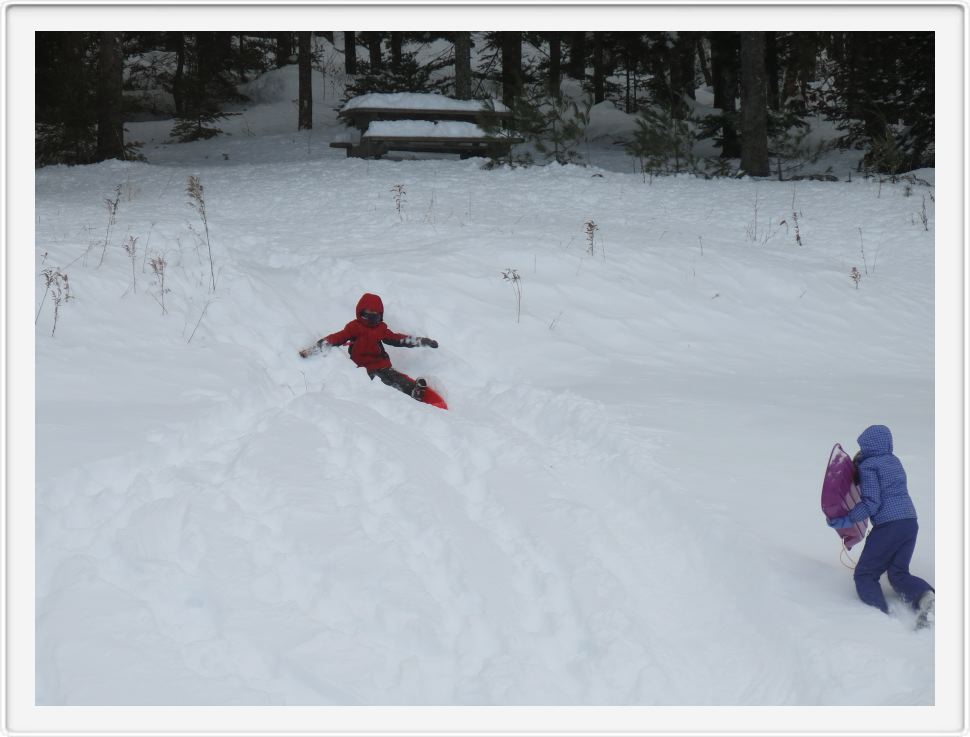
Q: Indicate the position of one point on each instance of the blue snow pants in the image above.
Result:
(889, 549)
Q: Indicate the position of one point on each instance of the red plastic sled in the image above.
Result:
(432, 397)
(840, 493)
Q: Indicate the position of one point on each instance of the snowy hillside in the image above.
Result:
(621, 506)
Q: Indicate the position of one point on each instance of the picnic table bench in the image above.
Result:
(425, 123)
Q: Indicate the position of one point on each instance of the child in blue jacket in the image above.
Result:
(890, 544)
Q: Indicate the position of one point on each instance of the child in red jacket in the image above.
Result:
(367, 336)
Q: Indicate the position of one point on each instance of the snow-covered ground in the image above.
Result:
(621, 507)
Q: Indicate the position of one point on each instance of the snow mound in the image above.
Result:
(608, 121)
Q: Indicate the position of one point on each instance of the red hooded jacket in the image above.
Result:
(366, 341)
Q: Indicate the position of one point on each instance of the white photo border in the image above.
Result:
(19, 714)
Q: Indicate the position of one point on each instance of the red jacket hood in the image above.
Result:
(370, 302)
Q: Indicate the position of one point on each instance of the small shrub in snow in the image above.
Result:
(590, 227)
(885, 156)
(205, 309)
(762, 234)
(148, 242)
(717, 168)
(400, 200)
(197, 194)
(512, 276)
(158, 264)
(130, 246)
(855, 276)
(198, 127)
(56, 285)
(754, 228)
(111, 205)
(862, 250)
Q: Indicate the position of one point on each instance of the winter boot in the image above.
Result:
(925, 610)
(419, 386)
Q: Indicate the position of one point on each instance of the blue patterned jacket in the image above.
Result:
(882, 480)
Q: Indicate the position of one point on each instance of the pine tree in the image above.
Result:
(554, 124)
(882, 92)
(662, 143)
(204, 85)
(411, 76)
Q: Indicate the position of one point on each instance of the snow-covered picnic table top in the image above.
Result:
(419, 101)
(423, 129)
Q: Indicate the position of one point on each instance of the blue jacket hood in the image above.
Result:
(876, 440)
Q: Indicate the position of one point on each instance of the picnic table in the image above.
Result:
(427, 123)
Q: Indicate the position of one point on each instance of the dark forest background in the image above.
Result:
(877, 87)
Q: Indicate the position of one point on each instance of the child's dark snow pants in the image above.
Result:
(394, 378)
(889, 549)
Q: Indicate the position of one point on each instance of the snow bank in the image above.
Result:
(607, 121)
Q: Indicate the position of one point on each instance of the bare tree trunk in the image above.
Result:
(632, 50)
(801, 68)
(771, 70)
(241, 58)
(687, 63)
(350, 52)
(555, 62)
(703, 62)
(682, 73)
(397, 54)
(724, 70)
(463, 65)
(754, 105)
(306, 88)
(373, 39)
(577, 55)
(111, 128)
(599, 92)
(511, 66)
(284, 48)
(178, 78)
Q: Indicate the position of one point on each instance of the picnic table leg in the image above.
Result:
(368, 150)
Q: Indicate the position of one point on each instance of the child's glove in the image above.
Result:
(428, 342)
(321, 346)
(839, 523)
